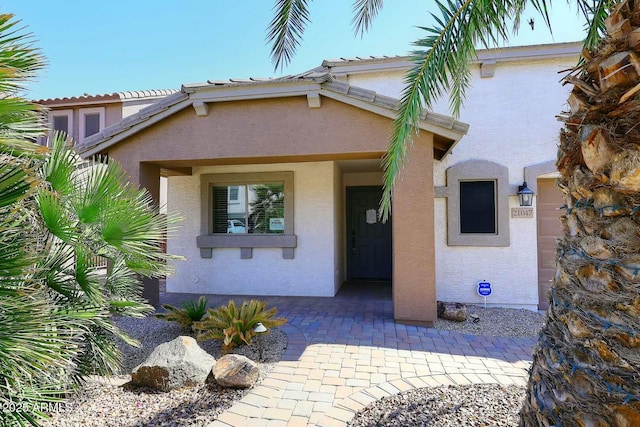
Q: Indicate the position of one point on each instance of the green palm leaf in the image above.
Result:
(286, 29)
(16, 180)
(61, 165)
(55, 216)
(364, 12)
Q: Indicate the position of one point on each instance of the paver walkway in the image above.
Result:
(346, 352)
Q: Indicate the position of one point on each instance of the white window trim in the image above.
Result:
(82, 124)
(61, 113)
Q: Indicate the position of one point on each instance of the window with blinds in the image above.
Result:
(248, 209)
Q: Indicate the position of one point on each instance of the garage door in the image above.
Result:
(549, 199)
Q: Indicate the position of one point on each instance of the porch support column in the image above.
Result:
(149, 178)
(414, 287)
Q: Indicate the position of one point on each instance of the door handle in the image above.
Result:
(353, 242)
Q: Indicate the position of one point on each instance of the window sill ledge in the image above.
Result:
(246, 243)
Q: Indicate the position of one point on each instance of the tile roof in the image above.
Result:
(153, 93)
(361, 59)
(82, 99)
(107, 97)
(317, 74)
(320, 80)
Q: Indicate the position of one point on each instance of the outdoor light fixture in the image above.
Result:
(525, 194)
(260, 330)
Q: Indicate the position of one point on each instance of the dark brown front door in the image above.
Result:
(368, 239)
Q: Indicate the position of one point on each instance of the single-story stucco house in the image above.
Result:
(279, 181)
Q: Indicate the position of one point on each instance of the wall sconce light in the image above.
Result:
(525, 195)
(260, 330)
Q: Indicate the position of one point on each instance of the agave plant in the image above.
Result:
(235, 325)
(191, 311)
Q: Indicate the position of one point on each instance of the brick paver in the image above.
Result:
(345, 352)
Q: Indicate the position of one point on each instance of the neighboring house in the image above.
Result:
(83, 116)
(305, 151)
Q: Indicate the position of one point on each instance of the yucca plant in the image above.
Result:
(191, 311)
(234, 325)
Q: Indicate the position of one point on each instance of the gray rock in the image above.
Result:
(234, 370)
(174, 364)
(452, 311)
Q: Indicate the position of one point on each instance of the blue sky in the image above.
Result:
(110, 46)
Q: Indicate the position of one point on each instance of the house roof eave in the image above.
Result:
(351, 66)
(95, 144)
(445, 127)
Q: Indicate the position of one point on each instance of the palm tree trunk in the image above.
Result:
(586, 366)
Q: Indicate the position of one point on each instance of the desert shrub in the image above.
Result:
(234, 325)
(191, 311)
(58, 214)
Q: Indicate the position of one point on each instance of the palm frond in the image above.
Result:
(364, 12)
(20, 61)
(18, 146)
(442, 68)
(285, 30)
(14, 257)
(98, 184)
(16, 180)
(99, 354)
(55, 216)
(20, 117)
(86, 276)
(59, 169)
(595, 12)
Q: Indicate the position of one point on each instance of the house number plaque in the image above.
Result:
(521, 212)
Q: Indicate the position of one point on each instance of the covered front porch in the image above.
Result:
(314, 147)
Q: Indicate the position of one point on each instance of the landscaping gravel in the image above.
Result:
(497, 322)
(112, 402)
(447, 406)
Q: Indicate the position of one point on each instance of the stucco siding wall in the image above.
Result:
(130, 107)
(113, 114)
(512, 271)
(311, 272)
(271, 128)
(512, 122)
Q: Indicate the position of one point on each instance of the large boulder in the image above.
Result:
(237, 371)
(174, 364)
(452, 311)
